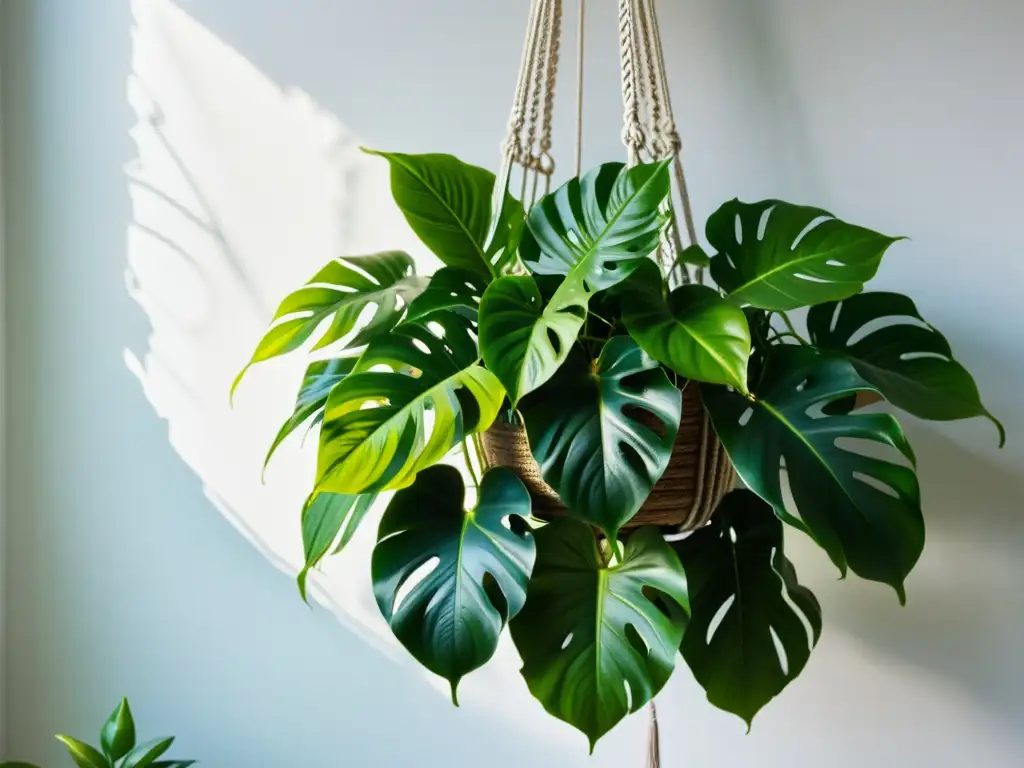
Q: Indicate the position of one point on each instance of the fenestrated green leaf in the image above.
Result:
(696, 332)
(599, 641)
(342, 290)
(448, 205)
(451, 619)
(865, 511)
(805, 255)
(603, 436)
(144, 755)
(118, 734)
(329, 520)
(744, 601)
(317, 384)
(382, 427)
(893, 348)
(449, 288)
(522, 339)
(85, 756)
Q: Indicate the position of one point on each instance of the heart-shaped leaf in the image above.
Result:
(451, 619)
(380, 428)
(448, 205)
(341, 290)
(603, 435)
(752, 626)
(799, 256)
(450, 288)
(317, 384)
(84, 755)
(696, 332)
(598, 641)
(144, 755)
(524, 340)
(329, 520)
(865, 511)
(893, 348)
(118, 734)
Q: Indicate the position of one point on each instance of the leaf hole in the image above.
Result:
(577, 311)
(554, 341)
(632, 457)
(495, 595)
(517, 525)
(629, 695)
(567, 641)
(811, 225)
(718, 618)
(835, 263)
(908, 356)
(746, 416)
(661, 601)
(737, 228)
(636, 641)
(412, 580)
(810, 278)
(780, 651)
(421, 346)
(436, 328)
(877, 484)
(762, 224)
(876, 324)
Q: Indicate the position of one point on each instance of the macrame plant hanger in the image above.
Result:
(649, 133)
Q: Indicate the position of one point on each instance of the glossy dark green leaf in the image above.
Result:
(382, 427)
(449, 288)
(745, 601)
(329, 520)
(603, 435)
(144, 755)
(341, 291)
(84, 755)
(893, 348)
(695, 332)
(451, 619)
(599, 641)
(317, 384)
(118, 734)
(524, 340)
(864, 510)
(798, 257)
(448, 205)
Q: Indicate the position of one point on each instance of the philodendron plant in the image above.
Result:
(561, 320)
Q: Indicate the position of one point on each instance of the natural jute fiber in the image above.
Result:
(699, 473)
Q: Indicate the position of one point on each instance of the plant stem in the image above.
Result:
(469, 463)
(594, 314)
(792, 329)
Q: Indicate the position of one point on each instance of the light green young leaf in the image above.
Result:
(118, 734)
(329, 520)
(85, 756)
(144, 755)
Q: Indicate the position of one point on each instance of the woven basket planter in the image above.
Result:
(699, 472)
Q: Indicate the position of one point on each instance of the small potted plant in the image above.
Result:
(560, 328)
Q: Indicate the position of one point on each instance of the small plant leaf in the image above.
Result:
(696, 332)
(451, 619)
(603, 436)
(450, 288)
(329, 520)
(144, 755)
(907, 359)
(85, 756)
(118, 734)
(745, 600)
(598, 641)
(805, 255)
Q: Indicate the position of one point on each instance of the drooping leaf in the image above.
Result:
(599, 641)
(603, 436)
(329, 520)
(84, 755)
(893, 348)
(696, 332)
(744, 601)
(144, 755)
(320, 378)
(804, 256)
(448, 205)
(341, 291)
(382, 427)
(118, 734)
(864, 510)
(450, 288)
(524, 340)
(451, 619)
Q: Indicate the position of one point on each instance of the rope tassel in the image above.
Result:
(653, 740)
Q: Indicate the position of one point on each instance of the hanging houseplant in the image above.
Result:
(570, 350)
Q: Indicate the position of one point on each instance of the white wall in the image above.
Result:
(123, 576)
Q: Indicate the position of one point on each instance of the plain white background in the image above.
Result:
(122, 574)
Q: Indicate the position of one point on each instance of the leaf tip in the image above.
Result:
(901, 594)
(235, 383)
(371, 151)
(300, 582)
(999, 427)
(455, 690)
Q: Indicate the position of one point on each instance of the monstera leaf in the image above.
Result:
(598, 641)
(382, 427)
(893, 348)
(865, 511)
(317, 384)
(451, 619)
(696, 332)
(752, 626)
(329, 520)
(448, 205)
(450, 288)
(603, 436)
(798, 257)
(342, 290)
